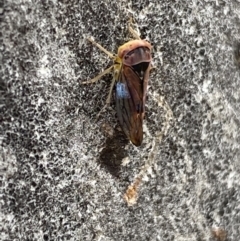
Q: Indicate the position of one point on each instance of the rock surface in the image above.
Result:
(63, 174)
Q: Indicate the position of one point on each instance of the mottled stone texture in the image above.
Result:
(60, 169)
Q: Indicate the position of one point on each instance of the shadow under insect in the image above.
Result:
(113, 153)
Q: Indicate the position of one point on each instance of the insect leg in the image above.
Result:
(108, 98)
(95, 79)
(112, 56)
(132, 31)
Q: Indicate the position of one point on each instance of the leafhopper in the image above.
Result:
(131, 68)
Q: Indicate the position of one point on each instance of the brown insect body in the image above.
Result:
(131, 74)
(132, 68)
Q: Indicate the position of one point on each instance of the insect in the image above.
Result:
(131, 68)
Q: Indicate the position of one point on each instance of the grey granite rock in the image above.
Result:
(62, 172)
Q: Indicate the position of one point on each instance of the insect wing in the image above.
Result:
(129, 102)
